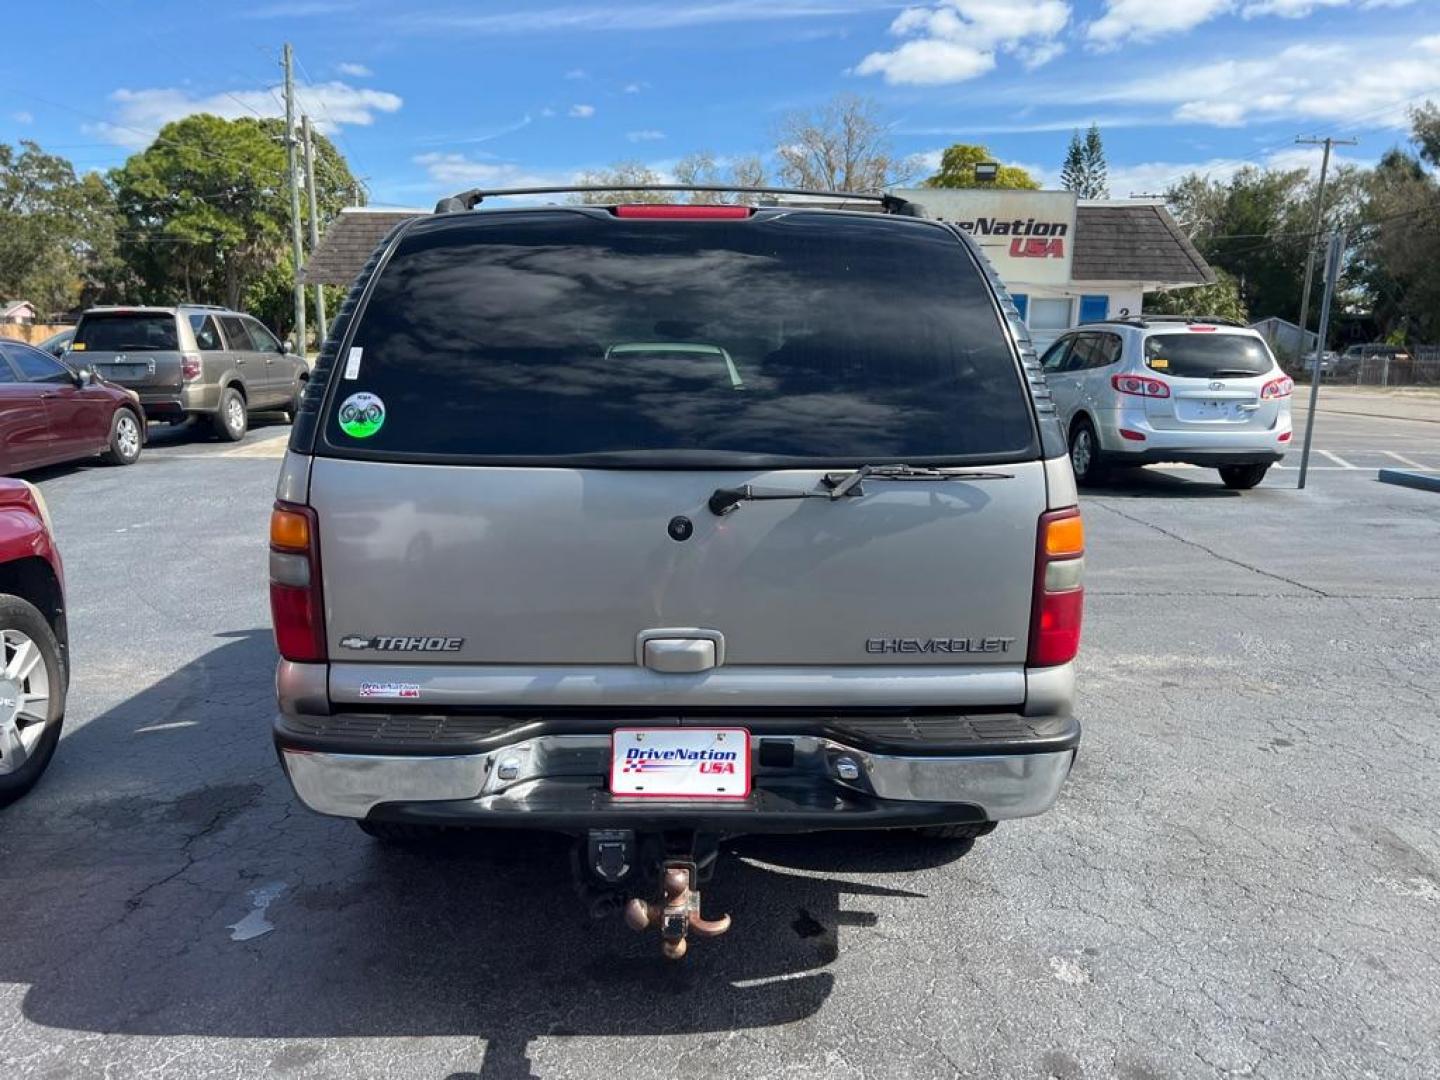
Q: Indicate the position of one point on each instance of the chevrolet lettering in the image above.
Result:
(956, 645)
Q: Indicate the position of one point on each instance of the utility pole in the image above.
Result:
(1313, 240)
(314, 224)
(1334, 255)
(291, 165)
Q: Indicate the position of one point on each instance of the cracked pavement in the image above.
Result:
(1242, 877)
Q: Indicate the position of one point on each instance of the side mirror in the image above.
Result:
(85, 376)
(288, 345)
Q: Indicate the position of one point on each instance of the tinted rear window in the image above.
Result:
(126, 333)
(1196, 355)
(564, 335)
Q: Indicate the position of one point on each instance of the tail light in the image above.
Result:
(296, 605)
(1059, 603)
(1277, 388)
(190, 366)
(1140, 386)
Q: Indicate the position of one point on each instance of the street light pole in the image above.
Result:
(314, 224)
(1334, 254)
(291, 165)
(1313, 240)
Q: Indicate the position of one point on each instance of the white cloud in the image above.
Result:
(1336, 82)
(645, 135)
(1145, 20)
(634, 87)
(956, 40)
(577, 73)
(582, 112)
(1153, 177)
(1296, 9)
(23, 117)
(641, 17)
(142, 113)
(355, 71)
(457, 170)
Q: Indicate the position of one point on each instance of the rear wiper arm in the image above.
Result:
(849, 483)
(840, 485)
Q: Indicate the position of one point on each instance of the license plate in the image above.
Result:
(125, 371)
(680, 763)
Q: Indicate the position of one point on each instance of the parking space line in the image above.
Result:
(1340, 461)
(1409, 463)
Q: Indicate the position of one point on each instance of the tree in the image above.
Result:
(957, 170)
(1222, 299)
(842, 146)
(702, 167)
(58, 232)
(1395, 251)
(622, 182)
(1085, 171)
(1252, 226)
(207, 210)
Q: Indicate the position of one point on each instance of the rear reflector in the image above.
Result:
(1285, 436)
(1059, 603)
(1133, 436)
(297, 608)
(672, 212)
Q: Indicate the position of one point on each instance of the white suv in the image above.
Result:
(1170, 389)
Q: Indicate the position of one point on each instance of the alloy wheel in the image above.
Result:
(24, 699)
(127, 436)
(1081, 452)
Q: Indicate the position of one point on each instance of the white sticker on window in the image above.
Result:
(352, 364)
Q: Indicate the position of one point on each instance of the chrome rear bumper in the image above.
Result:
(558, 781)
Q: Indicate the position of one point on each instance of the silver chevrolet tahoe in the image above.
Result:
(659, 524)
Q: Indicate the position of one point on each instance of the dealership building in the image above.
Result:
(1065, 261)
(1068, 261)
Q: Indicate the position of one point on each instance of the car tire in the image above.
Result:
(32, 737)
(1242, 477)
(127, 437)
(231, 420)
(294, 408)
(1085, 455)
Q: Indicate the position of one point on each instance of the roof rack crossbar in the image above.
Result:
(468, 200)
(1203, 320)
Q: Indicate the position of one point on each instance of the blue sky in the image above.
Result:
(446, 95)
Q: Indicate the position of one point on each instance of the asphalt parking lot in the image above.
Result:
(1242, 877)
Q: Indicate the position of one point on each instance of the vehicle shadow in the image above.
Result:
(165, 823)
(194, 431)
(1154, 484)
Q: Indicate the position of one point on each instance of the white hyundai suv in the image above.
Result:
(1199, 391)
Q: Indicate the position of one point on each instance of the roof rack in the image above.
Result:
(1143, 321)
(468, 200)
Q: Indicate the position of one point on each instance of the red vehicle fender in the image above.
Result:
(25, 526)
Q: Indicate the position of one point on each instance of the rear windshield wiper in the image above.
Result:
(1234, 373)
(839, 485)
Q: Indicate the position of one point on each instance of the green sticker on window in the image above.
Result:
(362, 415)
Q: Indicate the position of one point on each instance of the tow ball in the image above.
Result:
(621, 860)
(677, 914)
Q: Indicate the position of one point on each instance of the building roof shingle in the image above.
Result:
(348, 242)
(1134, 242)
